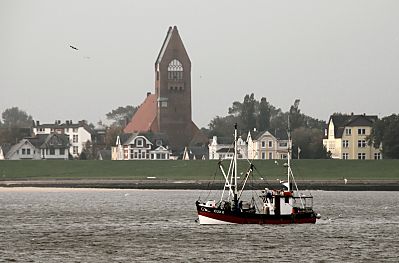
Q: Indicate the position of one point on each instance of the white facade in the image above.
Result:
(79, 134)
(348, 139)
(26, 150)
(226, 151)
(138, 147)
(267, 147)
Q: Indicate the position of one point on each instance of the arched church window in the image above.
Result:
(175, 70)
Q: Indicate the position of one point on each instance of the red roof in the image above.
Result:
(144, 119)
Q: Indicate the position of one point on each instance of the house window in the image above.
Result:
(175, 70)
(52, 151)
(377, 156)
(75, 138)
(361, 143)
(345, 156)
(75, 130)
(28, 151)
(75, 149)
(139, 142)
(263, 144)
(270, 144)
(345, 143)
(162, 156)
(283, 144)
(263, 155)
(361, 131)
(23, 151)
(270, 156)
(62, 151)
(348, 131)
(361, 156)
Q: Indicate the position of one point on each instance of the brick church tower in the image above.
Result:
(169, 110)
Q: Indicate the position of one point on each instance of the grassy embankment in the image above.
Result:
(196, 170)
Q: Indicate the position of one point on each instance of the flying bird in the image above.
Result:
(73, 47)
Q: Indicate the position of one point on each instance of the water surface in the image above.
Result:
(95, 225)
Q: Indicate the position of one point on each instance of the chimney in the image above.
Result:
(148, 94)
(37, 123)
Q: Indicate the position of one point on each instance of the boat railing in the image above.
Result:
(302, 202)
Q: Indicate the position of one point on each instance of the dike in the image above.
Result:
(326, 185)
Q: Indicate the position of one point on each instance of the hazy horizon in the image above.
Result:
(340, 56)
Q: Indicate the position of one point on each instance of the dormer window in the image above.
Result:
(175, 70)
(139, 142)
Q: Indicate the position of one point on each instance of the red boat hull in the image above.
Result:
(217, 216)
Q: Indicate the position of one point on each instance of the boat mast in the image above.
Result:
(235, 167)
(289, 155)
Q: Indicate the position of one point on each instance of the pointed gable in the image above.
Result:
(172, 42)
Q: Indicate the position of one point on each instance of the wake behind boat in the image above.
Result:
(284, 206)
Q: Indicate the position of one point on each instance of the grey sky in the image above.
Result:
(336, 56)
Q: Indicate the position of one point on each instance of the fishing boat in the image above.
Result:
(270, 206)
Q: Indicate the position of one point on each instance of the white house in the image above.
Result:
(225, 149)
(51, 146)
(137, 146)
(79, 133)
(346, 137)
(268, 145)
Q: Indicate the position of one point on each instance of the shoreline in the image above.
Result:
(326, 185)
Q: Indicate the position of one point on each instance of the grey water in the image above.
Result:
(95, 225)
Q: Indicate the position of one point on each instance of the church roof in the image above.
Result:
(143, 119)
(173, 33)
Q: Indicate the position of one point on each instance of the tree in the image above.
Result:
(264, 115)
(310, 143)
(111, 134)
(236, 109)
(121, 115)
(223, 126)
(88, 152)
(247, 115)
(16, 118)
(296, 118)
(385, 133)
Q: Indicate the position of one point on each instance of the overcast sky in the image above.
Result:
(335, 56)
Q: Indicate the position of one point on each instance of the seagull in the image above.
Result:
(345, 180)
(276, 162)
(73, 47)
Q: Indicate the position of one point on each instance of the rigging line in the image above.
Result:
(211, 182)
(262, 176)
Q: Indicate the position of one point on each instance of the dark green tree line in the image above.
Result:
(385, 134)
